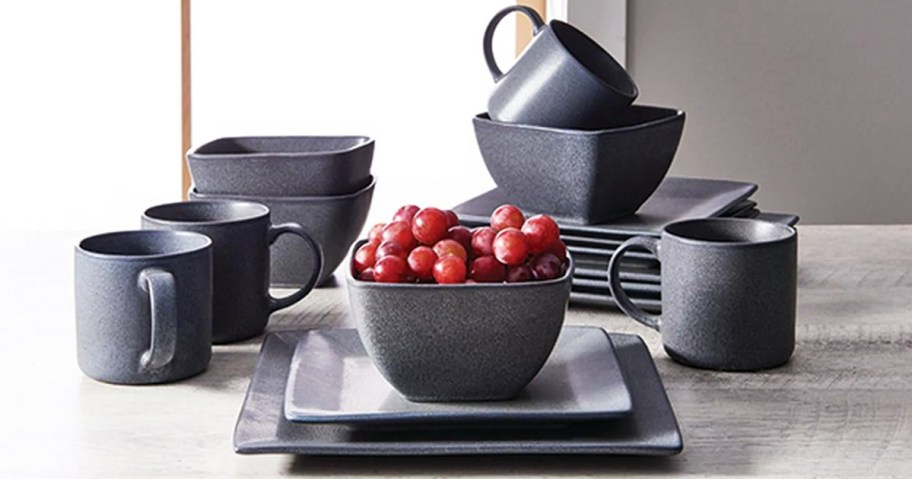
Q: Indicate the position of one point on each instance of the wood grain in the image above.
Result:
(841, 408)
(186, 97)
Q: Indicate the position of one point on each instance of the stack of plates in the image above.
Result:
(592, 245)
(317, 392)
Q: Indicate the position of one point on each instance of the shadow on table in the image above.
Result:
(483, 465)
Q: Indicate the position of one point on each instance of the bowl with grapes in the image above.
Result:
(459, 342)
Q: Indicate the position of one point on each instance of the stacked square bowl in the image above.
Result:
(323, 183)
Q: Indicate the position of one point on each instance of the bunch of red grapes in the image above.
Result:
(427, 245)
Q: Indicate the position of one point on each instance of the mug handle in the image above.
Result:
(614, 280)
(162, 291)
(537, 25)
(293, 228)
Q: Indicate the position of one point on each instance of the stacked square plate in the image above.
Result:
(592, 245)
(317, 392)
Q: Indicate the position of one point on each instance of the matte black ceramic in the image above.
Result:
(563, 79)
(241, 234)
(462, 342)
(283, 165)
(334, 222)
(143, 306)
(582, 176)
(729, 289)
(650, 429)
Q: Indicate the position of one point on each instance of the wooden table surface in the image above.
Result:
(841, 407)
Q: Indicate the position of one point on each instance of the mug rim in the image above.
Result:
(785, 233)
(259, 211)
(83, 247)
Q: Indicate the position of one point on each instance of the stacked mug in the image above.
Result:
(323, 183)
(561, 135)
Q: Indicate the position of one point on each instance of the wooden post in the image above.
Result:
(524, 27)
(185, 96)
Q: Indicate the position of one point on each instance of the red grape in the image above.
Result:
(486, 269)
(452, 218)
(400, 232)
(390, 269)
(462, 235)
(430, 225)
(541, 232)
(510, 247)
(405, 213)
(421, 261)
(375, 231)
(519, 273)
(483, 241)
(449, 270)
(390, 248)
(546, 266)
(367, 275)
(448, 246)
(559, 249)
(507, 216)
(365, 256)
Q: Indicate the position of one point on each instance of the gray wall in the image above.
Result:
(811, 99)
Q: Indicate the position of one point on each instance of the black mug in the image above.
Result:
(241, 235)
(729, 289)
(143, 306)
(563, 79)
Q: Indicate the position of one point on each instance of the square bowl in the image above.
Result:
(282, 165)
(582, 176)
(459, 342)
(334, 222)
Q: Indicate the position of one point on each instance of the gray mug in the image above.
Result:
(563, 79)
(143, 306)
(241, 234)
(729, 289)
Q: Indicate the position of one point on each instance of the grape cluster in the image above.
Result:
(427, 245)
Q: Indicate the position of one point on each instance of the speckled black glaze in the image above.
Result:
(334, 222)
(241, 235)
(562, 79)
(118, 278)
(464, 342)
(282, 165)
(582, 176)
(729, 289)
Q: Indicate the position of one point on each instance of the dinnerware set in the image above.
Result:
(438, 369)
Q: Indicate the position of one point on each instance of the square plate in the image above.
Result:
(674, 200)
(600, 286)
(650, 305)
(629, 275)
(332, 379)
(650, 429)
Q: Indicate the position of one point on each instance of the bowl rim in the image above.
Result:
(196, 155)
(354, 282)
(192, 193)
(673, 114)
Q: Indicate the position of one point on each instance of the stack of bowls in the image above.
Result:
(323, 183)
(561, 135)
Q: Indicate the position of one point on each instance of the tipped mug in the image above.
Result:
(563, 79)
